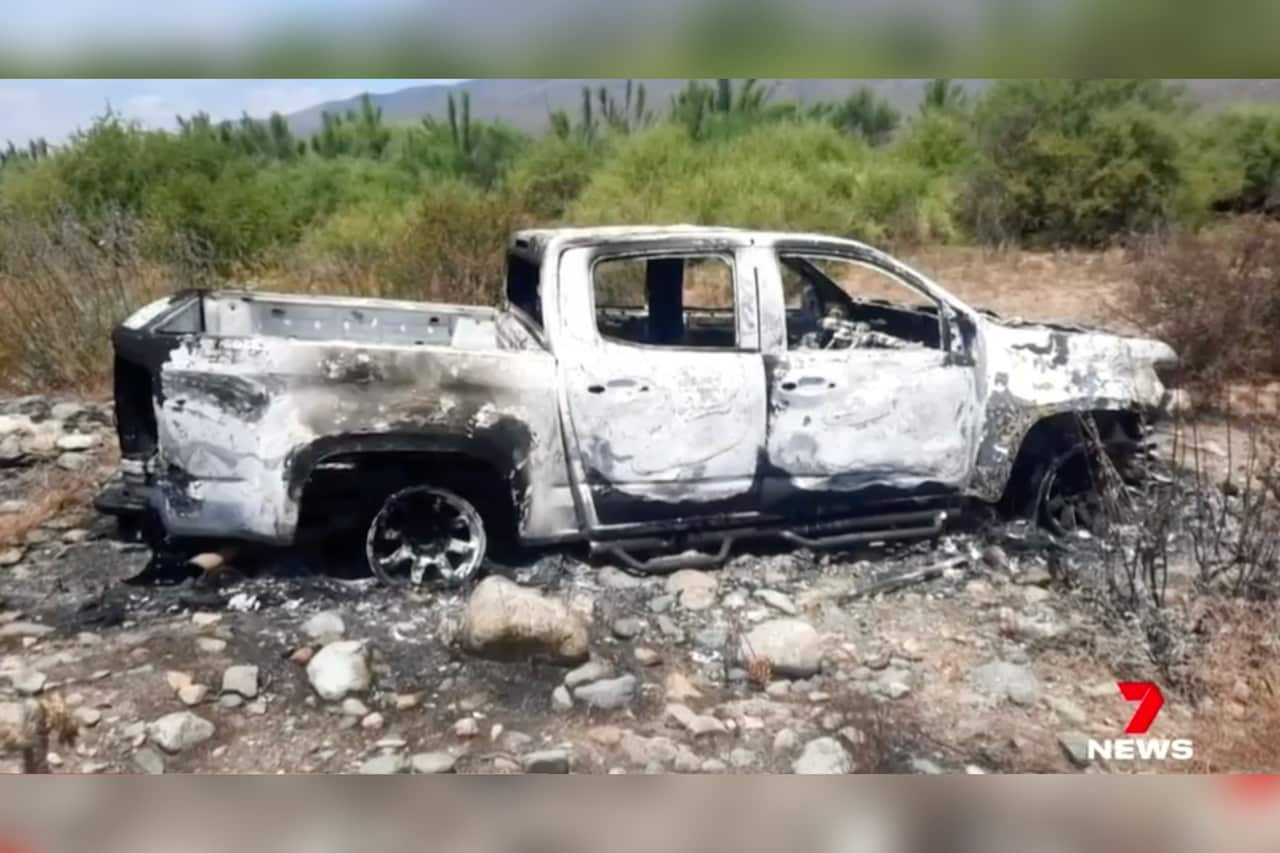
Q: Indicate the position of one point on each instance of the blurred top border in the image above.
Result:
(490, 38)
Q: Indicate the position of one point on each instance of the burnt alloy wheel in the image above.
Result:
(1072, 495)
(426, 534)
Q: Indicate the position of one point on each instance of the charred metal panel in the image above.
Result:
(844, 420)
(238, 414)
(1034, 372)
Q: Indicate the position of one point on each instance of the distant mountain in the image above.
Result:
(527, 103)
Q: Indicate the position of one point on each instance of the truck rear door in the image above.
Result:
(662, 382)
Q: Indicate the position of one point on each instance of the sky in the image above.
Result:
(53, 109)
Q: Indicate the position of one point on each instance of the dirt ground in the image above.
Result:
(1006, 658)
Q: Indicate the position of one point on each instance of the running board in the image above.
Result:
(907, 525)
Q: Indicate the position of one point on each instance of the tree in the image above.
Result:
(863, 113)
(943, 94)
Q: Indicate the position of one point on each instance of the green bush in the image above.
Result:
(799, 176)
(1078, 162)
(1251, 139)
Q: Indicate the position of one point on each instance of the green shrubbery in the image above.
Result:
(420, 210)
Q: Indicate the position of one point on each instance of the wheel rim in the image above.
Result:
(423, 534)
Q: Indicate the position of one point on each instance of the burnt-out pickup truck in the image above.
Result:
(647, 390)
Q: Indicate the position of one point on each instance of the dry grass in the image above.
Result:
(52, 492)
(62, 290)
(1240, 670)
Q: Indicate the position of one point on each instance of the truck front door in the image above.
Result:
(873, 396)
(662, 383)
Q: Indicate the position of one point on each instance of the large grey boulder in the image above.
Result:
(822, 756)
(505, 621)
(179, 731)
(338, 669)
(792, 647)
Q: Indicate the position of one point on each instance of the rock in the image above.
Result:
(611, 577)
(605, 735)
(628, 628)
(24, 629)
(149, 761)
(406, 701)
(561, 700)
(995, 558)
(505, 621)
(679, 688)
(177, 680)
(353, 707)
(230, 700)
(547, 761)
(1004, 680)
(77, 441)
(192, 694)
(29, 682)
(822, 756)
(73, 461)
(325, 627)
(792, 647)
(713, 765)
(467, 727)
(13, 506)
(661, 603)
(647, 657)
(432, 763)
(1240, 690)
(88, 717)
(607, 695)
(205, 620)
(648, 752)
(742, 758)
(241, 680)
(696, 724)
(11, 556)
(592, 670)
(211, 645)
(387, 764)
(895, 689)
(693, 589)
(777, 600)
(1069, 712)
(179, 731)
(372, 722)
(302, 655)
(925, 767)
(1036, 574)
(338, 669)
(786, 742)
(1075, 745)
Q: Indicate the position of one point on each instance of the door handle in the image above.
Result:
(807, 383)
(618, 385)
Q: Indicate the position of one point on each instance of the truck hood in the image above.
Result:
(1050, 365)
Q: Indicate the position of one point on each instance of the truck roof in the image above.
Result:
(533, 242)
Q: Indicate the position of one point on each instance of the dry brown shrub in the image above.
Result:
(1215, 297)
(63, 287)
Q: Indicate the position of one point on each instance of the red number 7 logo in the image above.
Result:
(1150, 702)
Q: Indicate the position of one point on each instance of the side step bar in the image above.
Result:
(907, 525)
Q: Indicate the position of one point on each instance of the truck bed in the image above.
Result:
(328, 318)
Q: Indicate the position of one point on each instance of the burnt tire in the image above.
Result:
(426, 535)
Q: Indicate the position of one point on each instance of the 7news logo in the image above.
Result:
(1150, 700)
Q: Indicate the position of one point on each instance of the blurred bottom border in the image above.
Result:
(867, 814)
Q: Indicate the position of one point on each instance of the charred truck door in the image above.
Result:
(662, 381)
(870, 396)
